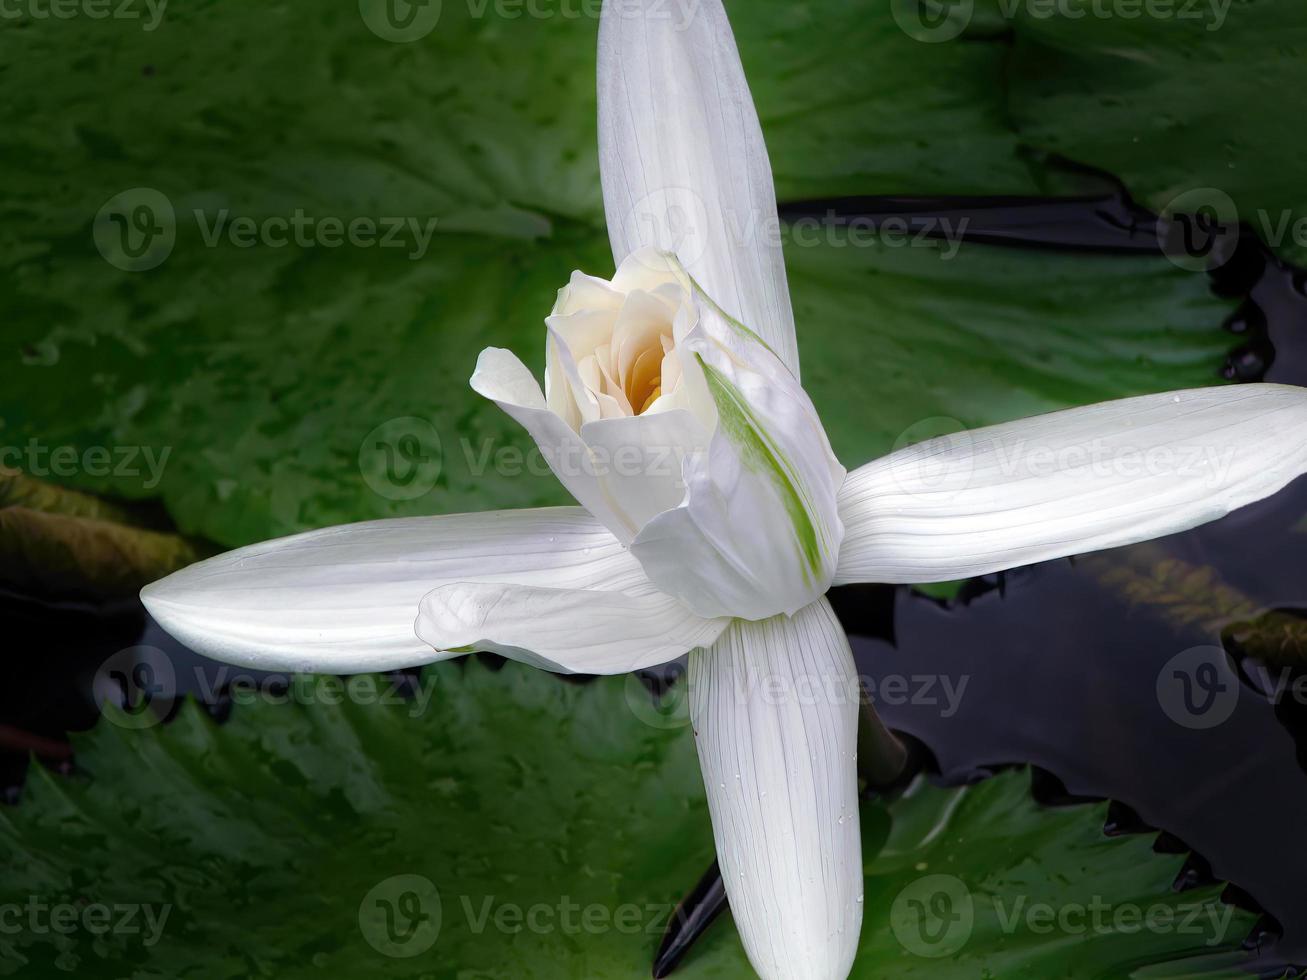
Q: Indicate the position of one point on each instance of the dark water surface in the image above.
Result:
(1107, 670)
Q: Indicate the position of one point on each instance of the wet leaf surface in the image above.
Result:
(277, 386)
(1187, 108)
(298, 386)
(415, 839)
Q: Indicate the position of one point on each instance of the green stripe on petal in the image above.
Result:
(757, 451)
(741, 328)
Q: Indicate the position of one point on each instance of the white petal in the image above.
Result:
(503, 378)
(682, 158)
(775, 713)
(591, 631)
(759, 531)
(566, 393)
(640, 459)
(584, 292)
(1069, 482)
(622, 470)
(345, 599)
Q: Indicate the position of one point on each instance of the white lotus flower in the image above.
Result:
(679, 428)
(714, 515)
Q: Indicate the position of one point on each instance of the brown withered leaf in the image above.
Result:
(67, 556)
(62, 543)
(17, 489)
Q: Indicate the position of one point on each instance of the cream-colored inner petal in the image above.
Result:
(637, 364)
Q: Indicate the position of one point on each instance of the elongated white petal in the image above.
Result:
(345, 599)
(590, 631)
(682, 158)
(1069, 482)
(775, 712)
